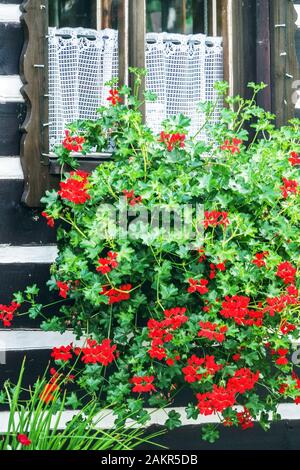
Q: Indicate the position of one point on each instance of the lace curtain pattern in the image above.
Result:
(181, 71)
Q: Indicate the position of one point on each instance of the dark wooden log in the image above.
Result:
(20, 225)
(263, 53)
(11, 117)
(11, 43)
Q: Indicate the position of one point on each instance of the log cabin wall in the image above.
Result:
(27, 245)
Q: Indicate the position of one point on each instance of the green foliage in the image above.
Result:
(235, 167)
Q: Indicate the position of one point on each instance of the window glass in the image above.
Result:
(95, 14)
(176, 16)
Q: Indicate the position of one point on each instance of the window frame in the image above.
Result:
(242, 25)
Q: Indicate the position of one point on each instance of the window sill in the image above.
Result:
(86, 162)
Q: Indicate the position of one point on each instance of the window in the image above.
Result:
(148, 30)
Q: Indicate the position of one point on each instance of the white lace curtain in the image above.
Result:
(181, 71)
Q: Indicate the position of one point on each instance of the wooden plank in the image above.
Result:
(106, 13)
(237, 27)
(11, 117)
(11, 43)
(284, 68)
(137, 38)
(123, 11)
(19, 224)
(33, 68)
(263, 53)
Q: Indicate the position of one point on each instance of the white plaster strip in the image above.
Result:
(27, 254)
(158, 417)
(32, 339)
(10, 86)
(10, 13)
(10, 168)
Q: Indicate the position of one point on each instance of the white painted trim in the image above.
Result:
(297, 8)
(10, 13)
(30, 340)
(10, 86)
(158, 417)
(10, 168)
(28, 254)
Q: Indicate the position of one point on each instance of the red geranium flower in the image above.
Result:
(245, 419)
(143, 384)
(117, 295)
(96, 353)
(198, 286)
(63, 353)
(50, 220)
(232, 146)
(114, 97)
(73, 143)
(287, 272)
(294, 159)
(23, 439)
(109, 263)
(259, 259)
(74, 189)
(63, 289)
(289, 187)
(172, 140)
(132, 199)
(215, 219)
(200, 367)
(212, 331)
(7, 313)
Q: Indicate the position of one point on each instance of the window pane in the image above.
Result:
(95, 14)
(176, 16)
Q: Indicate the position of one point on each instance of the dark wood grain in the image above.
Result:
(19, 224)
(11, 43)
(283, 40)
(137, 38)
(263, 52)
(11, 117)
(35, 21)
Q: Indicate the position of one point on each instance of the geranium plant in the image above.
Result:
(215, 310)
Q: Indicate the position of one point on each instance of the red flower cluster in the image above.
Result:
(202, 255)
(243, 380)
(278, 304)
(172, 140)
(73, 143)
(216, 401)
(198, 286)
(289, 187)
(74, 189)
(23, 440)
(50, 220)
(236, 307)
(233, 146)
(63, 353)
(114, 97)
(96, 353)
(282, 360)
(245, 419)
(132, 199)
(63, 289)
(7, 313)
(108, 264)
(294, 159)
(287, 272)
(287, 328)
(216, 267)
(259, 259)
(207, 366)
(160, 332)
(212, 331)
(143, 384)
(221, 398)
(215, 219)
(117, 295)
